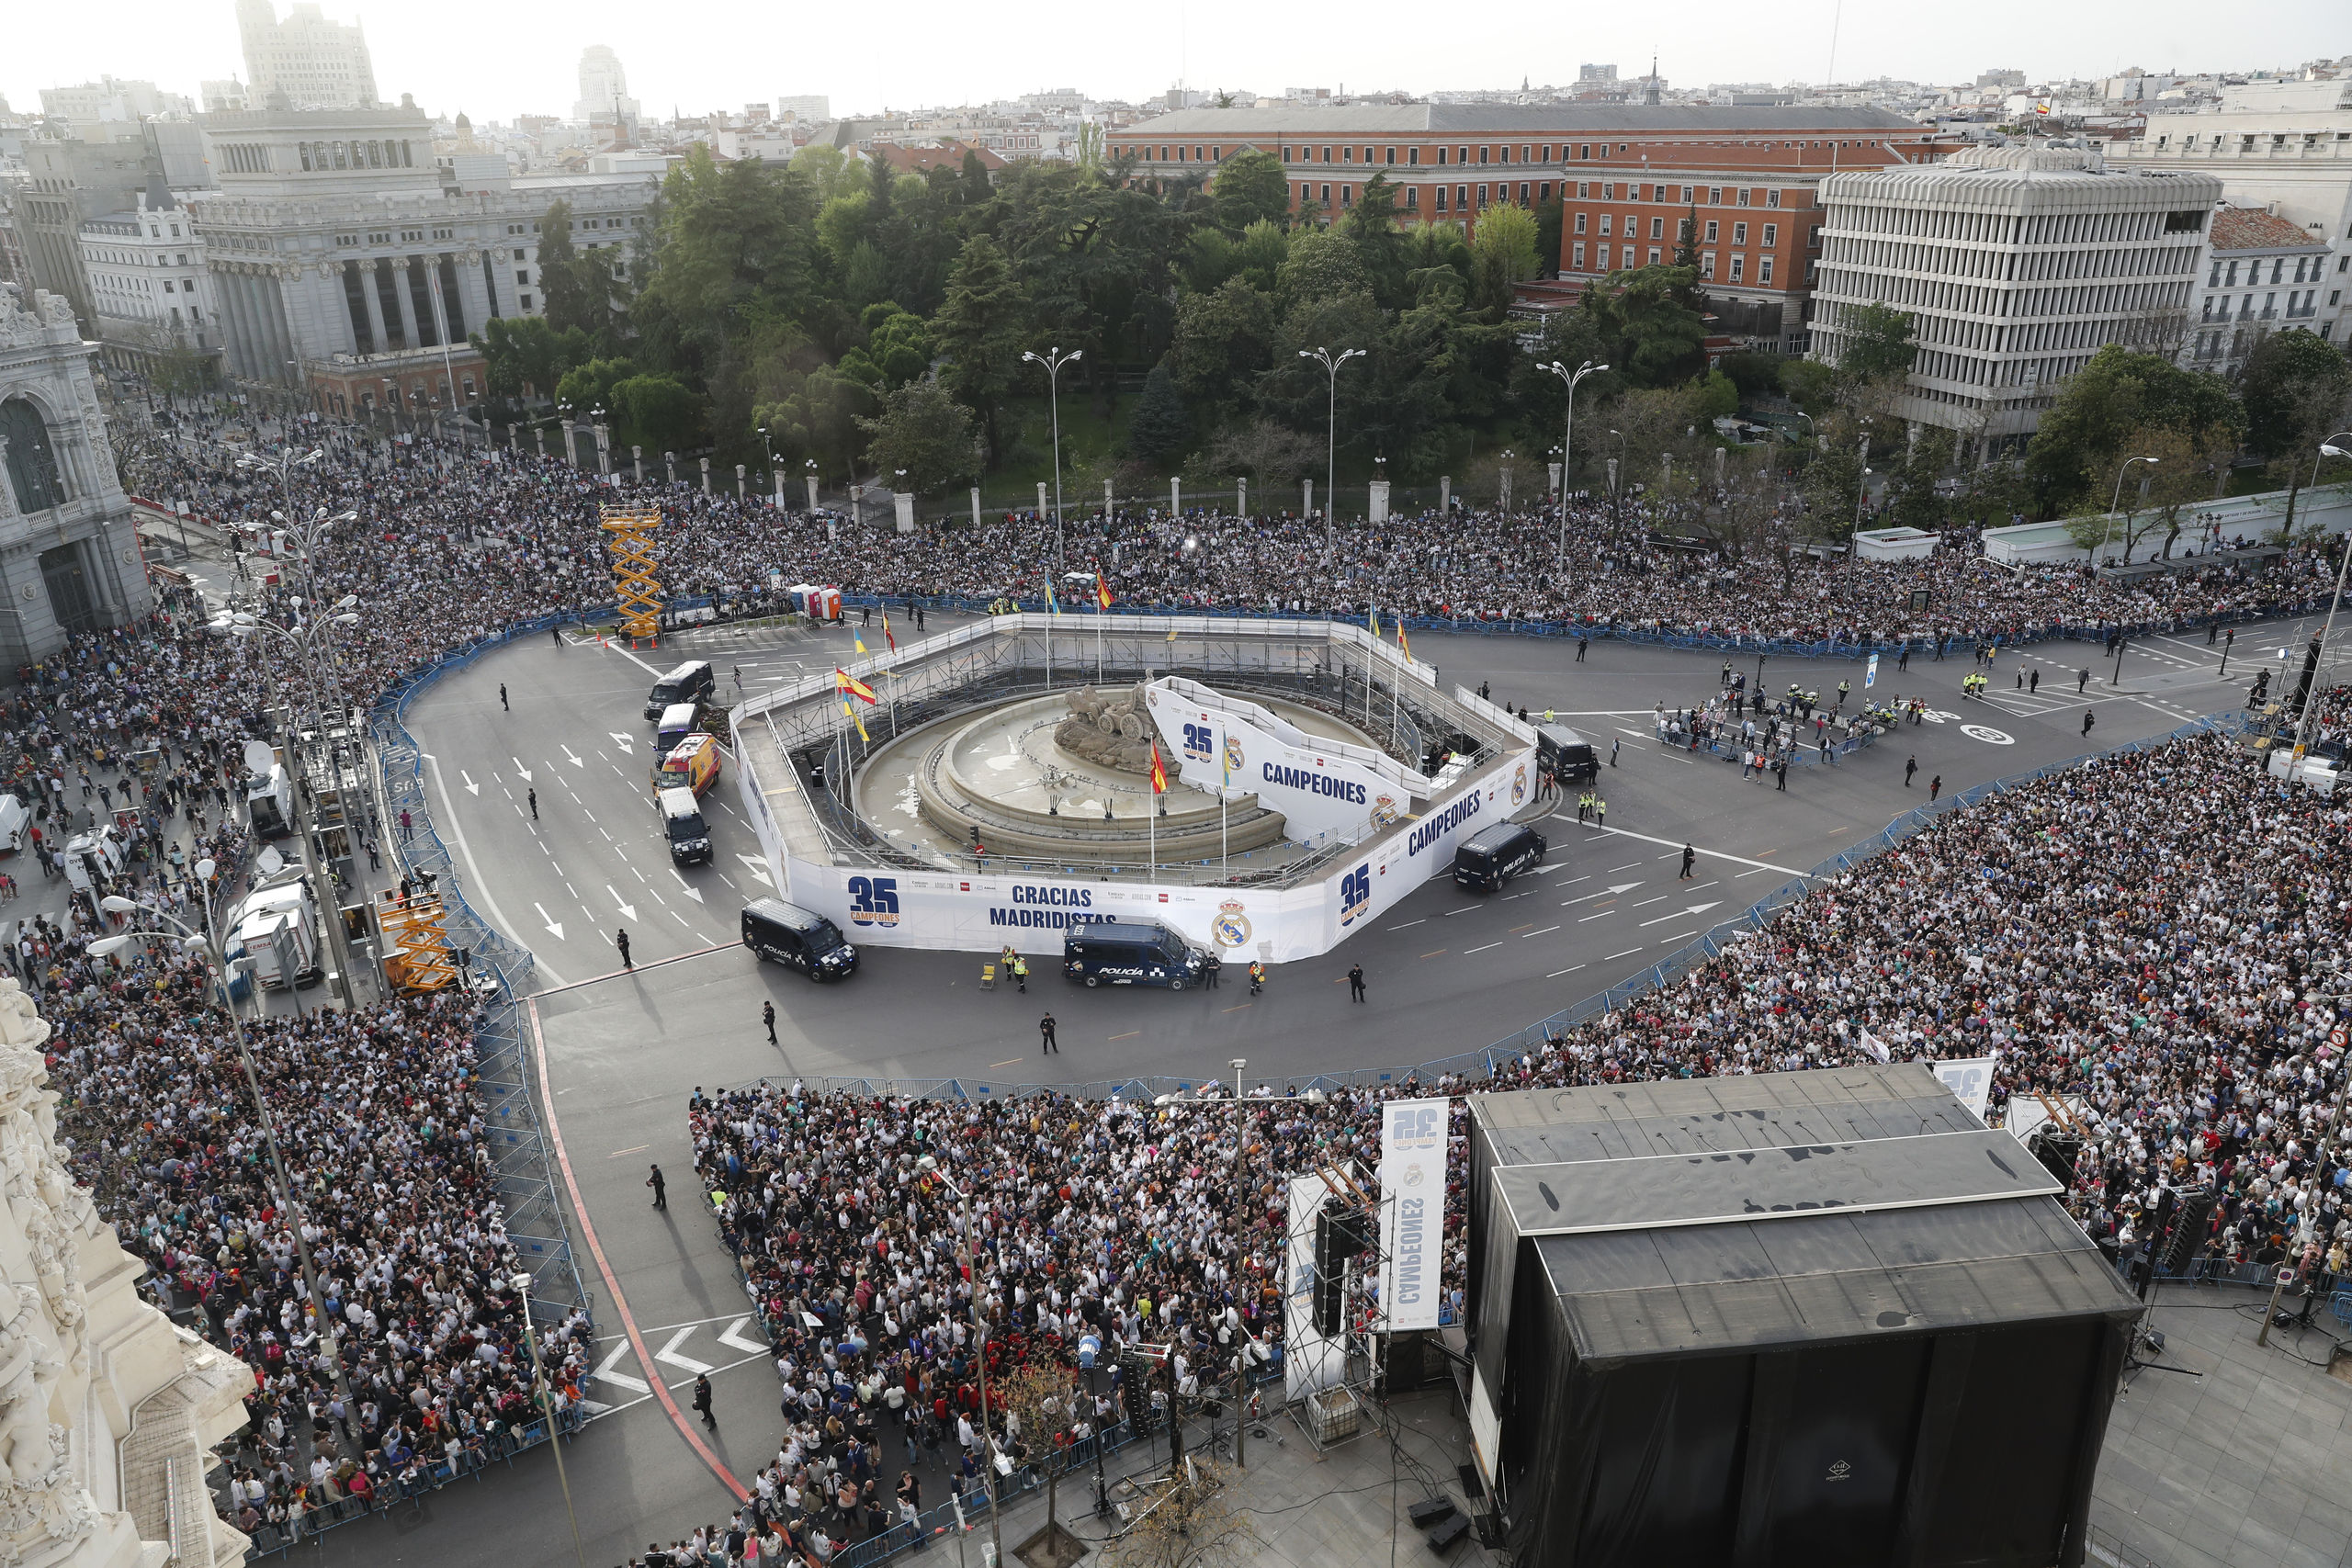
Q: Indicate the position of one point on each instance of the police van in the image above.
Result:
(1492, 856)
(1569, 756)
(785, 934)
(689, 682)
(1114, 953)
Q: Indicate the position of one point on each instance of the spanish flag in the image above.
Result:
(1102, 591)
(851, 713)
(886, 632)
(845, 681)
(1402, 645)
(1053, 606)
(1158, 773)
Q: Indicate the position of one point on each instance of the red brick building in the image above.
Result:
(1626, 175)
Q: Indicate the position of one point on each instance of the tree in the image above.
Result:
(2085, 430)
(925, 433)
(523, 356)
(1505, 255)
(1323, 264)
(980, 330)
(1267, 455)
(588, 387)
(1809, 384)
(658, 413)
(1192, 1526)
(1224, 342)
(1878, 345)
(1717, 396)
(1655, 334)
(1044, 1401)
(1250, 187)
(2153, 495)
(1158, 432)
(2295, 387)
(1549, 220)
(1746, 507)
(1913, 496)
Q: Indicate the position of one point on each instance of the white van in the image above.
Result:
(271, 917)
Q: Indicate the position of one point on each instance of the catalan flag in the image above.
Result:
(1102, 591)
(1158, 773)
(886, 632)
(846, 683)
(1053, 606)
(851, 713)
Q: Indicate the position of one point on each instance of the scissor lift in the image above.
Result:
(634, 585)
(416, 947)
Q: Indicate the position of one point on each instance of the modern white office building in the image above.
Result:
(2015, 264)
(345, 259)
(304, 61)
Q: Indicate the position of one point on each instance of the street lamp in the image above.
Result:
(2107, 532)
(1052, 360)
(205, 945)
(1567, 441)
(929, 1166)
(1332, 427)
(546, 1407)
(2311, 698)
(604, 434)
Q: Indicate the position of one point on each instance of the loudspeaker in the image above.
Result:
(1340, 1235)
(2057, 1150)
(1427, 1514)
(2191, 1218)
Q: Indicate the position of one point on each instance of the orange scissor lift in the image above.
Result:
(634, 585)
(416, 945)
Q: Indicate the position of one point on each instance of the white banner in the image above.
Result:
(1969, 1079)
(1310, 1362)
(1214, 741)
(1412, 1210)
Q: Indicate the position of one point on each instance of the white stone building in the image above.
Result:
(2263, 273)
(148, 281)
(69, 550)
(343, 258)
(304, 61)
(2285, 147)
(2015, 264)
(604, 85)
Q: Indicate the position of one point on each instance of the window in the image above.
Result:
(1367, 155)
(1606, 219)
(1579, 222)
(1441, 156)
(1440, 198)
(1461, 199)
(1658, 227)
(1713, 226)
(1547, 152)
(1602, 265)
(1764, 270)
(1609, 192)
(523, 275)
(1347, 154)
(1482, 196)
(1482, 153)
(1326, 196)
(1412, 199)
(1771, 198)
(1653, 255)
(1412, 157)
(526, 302)
(1585, 151)
(1347, 195)
(1391, 157)
(1285, 154)
(1545, 190)
(1771, 233)
(1735, 262)
(1739, 234)
(1577, 260)
(1714, 195)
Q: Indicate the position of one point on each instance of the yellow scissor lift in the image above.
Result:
(416, 947)
(631, 528)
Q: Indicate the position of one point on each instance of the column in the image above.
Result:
(373, 303)
(1241, 497)
(242, 355)
(396, 272)
(281, 327)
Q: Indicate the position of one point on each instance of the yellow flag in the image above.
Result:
(858, 721)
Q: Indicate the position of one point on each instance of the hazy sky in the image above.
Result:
(498, 59)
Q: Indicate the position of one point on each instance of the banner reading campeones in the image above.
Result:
(1412, 1210)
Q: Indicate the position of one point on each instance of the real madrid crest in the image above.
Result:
(1519, 784)
(1231, 927)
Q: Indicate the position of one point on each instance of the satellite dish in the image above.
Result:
(259, 757)
(269, 862)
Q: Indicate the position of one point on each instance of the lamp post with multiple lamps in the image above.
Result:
(2117, 501)
(546, 1396)
(1052, 360)
(204, 943)
(1568, 440)
(1331, 426)
(929, 1164)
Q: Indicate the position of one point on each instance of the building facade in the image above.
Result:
(344, 259)
(604, 85)
(69, 549)
(304, 61)
(2015, 264)
(2263, 273)
(150, 292)
(110, 98)
(1744, 177)
(2283, 147)
(68, 181)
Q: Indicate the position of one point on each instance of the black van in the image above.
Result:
(1492, 856)
(1111, 953)
(689, 682)
(794, 937)
(1569, 755)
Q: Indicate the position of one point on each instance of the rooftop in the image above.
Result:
(2253, 228)
(1570, 119)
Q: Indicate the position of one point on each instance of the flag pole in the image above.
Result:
(1224, 850)
(1151, 808)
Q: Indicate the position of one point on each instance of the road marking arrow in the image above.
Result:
(1604, 893)
(554, 926)
(691, 892)
(524, 772)
(733, 1336)
(629, 910)
(620, 740)
(759, 868)
(620, 1380)
(1693, 909)
(472, 787)
(572, 760)
(669, 1353)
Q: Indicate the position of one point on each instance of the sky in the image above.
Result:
(500, 59)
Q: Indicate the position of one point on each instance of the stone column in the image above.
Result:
(407, 305)
(1307, 500)
(812, 496)
(1444, 492)
(1378, 512)
(706, 475)
(1176, 496)
(739, 482)
(1241, 497)
(976, 501)
(373, 303)
(1041, 498)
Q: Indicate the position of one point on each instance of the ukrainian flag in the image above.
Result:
(1053, 606)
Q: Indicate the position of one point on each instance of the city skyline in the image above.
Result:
(517, 63)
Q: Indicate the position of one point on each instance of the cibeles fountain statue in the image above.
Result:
(107, 1411)
(1111, 728)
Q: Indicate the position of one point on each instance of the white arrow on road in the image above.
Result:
(629, 910)
(523, 771)
(669, 1353)
(554, 926)
(620, 1380)
(691, 892)
(734, 1335)
(1604, 893)
(572, 760)
(620, 740)
(1693, 909)
(759, 868)
(472, 787)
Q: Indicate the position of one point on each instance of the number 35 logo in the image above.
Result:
(873, 901)
(1199, 742)
(1416, 1126)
